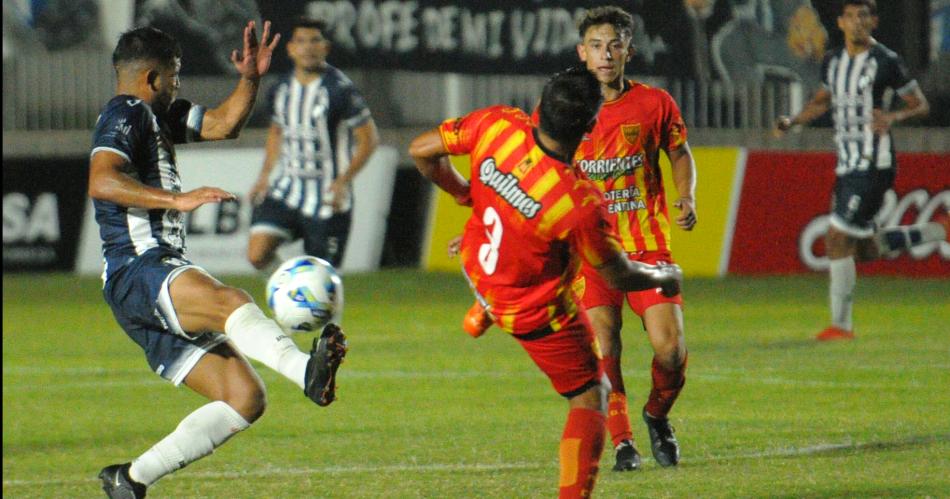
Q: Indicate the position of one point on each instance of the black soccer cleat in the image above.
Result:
(666, 450)
(628, 459)
(325, 357)
(117, 483)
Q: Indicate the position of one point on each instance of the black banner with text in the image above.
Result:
(43, 203)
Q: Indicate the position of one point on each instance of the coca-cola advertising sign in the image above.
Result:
(783, 214)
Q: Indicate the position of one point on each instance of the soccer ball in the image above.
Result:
(305, 293)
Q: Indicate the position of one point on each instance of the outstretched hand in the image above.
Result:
(254, 60)
(782, 125)
(670, 276)
(188, 201)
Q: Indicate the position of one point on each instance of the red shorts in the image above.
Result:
(594, 291)
(568, 357)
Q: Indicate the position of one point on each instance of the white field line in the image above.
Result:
(455, 467)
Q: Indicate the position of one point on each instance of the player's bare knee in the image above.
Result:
(259, 259)
(249, 401)
(838, 244)
(227, 299)
(594, 398)
(671, 350)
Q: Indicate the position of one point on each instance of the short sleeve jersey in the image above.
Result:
(621, 156)
(128, 127)
(858, 86)
(316, 122)
(533, 219)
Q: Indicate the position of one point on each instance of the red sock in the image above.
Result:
(666, 387)
(581, 445)
(618, 422)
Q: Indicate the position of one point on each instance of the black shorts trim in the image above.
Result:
(586, 386)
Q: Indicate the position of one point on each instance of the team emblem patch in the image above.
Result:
(631, 133)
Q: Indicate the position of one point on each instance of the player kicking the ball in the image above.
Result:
(172, 308)
(533, 221)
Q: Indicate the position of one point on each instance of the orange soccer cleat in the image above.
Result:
(476, 321)
(834, 333)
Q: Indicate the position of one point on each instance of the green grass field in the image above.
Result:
(426, 411)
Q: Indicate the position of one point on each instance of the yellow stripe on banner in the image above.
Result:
(446, 220)
(699, 250)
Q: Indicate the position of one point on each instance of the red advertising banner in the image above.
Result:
(783, 214)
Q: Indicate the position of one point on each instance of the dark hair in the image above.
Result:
(569, 104)
(620, 19)
(308, 22)
(146, 44)
(870, 4)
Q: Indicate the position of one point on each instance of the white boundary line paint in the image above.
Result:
(784, 452)
(738, 179)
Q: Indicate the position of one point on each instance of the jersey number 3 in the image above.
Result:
(488, 252)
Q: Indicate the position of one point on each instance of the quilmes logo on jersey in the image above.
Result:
(506, 185)
(610, 168)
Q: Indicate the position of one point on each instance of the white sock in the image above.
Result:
(195, 437)
(893, 240)
(261, 339)
(843, 276)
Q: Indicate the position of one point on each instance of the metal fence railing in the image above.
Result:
(64, 91)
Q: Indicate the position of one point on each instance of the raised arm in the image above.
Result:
(108, 181)
(817, 106)
(684, 177)
(226, 120)
(431, 158)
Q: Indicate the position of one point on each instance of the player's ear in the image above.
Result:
(151, 77)
(581, 52)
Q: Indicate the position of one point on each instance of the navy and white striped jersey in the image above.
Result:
(858, 86)
(317, 122)
(128, 127)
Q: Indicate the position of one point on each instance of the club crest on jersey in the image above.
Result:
(507, 186)
(631, 133)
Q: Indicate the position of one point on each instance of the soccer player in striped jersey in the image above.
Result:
(320, 137)
(174, 310)
(621, 156)
(859, 83)
(534, 219)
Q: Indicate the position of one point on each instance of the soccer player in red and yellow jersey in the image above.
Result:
(533, 221)
(621, 156)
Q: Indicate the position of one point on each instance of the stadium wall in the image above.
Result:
(764, 213)
(761, 211)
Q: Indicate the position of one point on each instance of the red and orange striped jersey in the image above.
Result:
(533, 220)
(621, 155)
